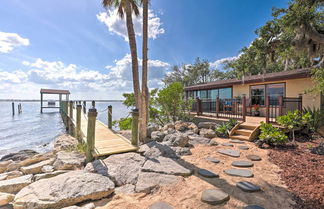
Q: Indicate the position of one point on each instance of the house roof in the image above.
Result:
(277, 76)
(54, 91)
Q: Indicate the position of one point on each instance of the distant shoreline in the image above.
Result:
(37, 100)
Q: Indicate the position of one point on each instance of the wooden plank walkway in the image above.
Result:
(107, 142)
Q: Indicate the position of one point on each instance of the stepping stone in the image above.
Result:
(239, 172)
(207, 173)
(237, 141)
(214, 196)
(229, 152)
(253, 157)
(242, 147)
(212, 160)
(228, 144)
(253, 207)
(242, 163)
(160, 205)
(248, 186)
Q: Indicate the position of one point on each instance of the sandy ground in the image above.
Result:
(187, 192)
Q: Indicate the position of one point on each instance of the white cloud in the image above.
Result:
(9, 41)
(116, 25)
(218, 63)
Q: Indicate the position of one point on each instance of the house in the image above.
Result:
(255, 98)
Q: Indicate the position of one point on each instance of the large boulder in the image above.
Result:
(19, 156)
(10, 175)
(150, 180)
(158, 136)
(152, 128)
(196, 139)
(121, 168)
(176, 139)
(207, 133)
(168, 126)
(16, 184)
(37, 167)
(49, 175)
(65, 142)
(154, 149)
(6, 198)
(207, 125)
(37, 158)
(69, 160)
(64, 190)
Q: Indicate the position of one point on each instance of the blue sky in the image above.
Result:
(80, 46)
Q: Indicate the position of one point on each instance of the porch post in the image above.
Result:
(217, 107)
(198, 105)
(267, 108)
(244, 108)
(280, 105)
(300, 103)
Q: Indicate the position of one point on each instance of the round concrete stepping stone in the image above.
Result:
(229, 152)
(239, 172)
(253, 157)
(242, 163)
(243, 147)
(212, 160)
(253, 207)
(228, 144)
(236, 141)
(248, 186)
(160, 205)
(214, 196)
(207, 173)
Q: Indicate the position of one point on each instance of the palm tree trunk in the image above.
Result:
(133, 49)
(144, 94)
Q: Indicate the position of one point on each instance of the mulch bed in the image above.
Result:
(303, 173)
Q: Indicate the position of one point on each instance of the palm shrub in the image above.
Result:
(224, 128)
(316, 119)
(271, 135)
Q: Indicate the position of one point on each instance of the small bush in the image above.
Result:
(271, 135)
(316, 118)
(124, 123)
(82, 147)
(223, 129)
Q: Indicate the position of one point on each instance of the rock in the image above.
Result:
(193, 128)
(207, 173)
(242, 147)
(125, 189)
(151, 129)
(19, 156)
(121, 168)
(37, 167)
(237, 141)
(6, 198)
(157, 136)
(181, 151)
(165, 166)
(36, 159)
(214, 196)
(228, 144)
(16, 184)
(148, 181)
(212, 160)
(38, 177)
(13, 166)
(248, 186)
(64, 190)
(168, 126)
(87, 206)
(176, 139)
(196, 139)
(4, 165)
(207, 125)
(10, 175)
(242, 163)
(319, 150)
(181, 126)
(208, 133)
(229, 152)
(69, 160)
(253, 157)
(154, 149)
(213, 143)
(47, 169)
(66, 143)
(253, 207)
(239, 172)
(160, 205)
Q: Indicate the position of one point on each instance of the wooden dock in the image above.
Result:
(106, 141)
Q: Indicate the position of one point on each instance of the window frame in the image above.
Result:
(265, 91)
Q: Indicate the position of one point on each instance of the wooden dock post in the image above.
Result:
(71, 110)
(66, 112)
(93, 103)
(135, 115)
(78, 121)
(92, 115)
(70, 118)
(110, 117)
(13, 108)
(84, 107)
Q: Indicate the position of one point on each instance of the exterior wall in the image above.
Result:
(294, 87)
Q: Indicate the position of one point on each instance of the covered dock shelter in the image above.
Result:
(53, 91)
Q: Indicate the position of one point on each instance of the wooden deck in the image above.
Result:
(107, 142)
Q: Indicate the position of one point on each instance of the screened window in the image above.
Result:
(258, 95)
(274, 91)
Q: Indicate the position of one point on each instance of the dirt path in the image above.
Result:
(187, 193)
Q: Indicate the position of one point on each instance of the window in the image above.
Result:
(258, 95)
(225, 93)
(274, 91)
(214, 94)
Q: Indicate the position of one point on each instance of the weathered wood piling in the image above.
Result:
(92, 116)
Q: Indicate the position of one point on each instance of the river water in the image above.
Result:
(36, 131)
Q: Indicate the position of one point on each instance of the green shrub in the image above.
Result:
(123, 123)
(224, 128)
(271, 135)
(82, 147)
(316, 119)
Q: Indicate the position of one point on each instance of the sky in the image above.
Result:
(80, 46)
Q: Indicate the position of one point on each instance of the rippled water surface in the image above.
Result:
(36, 131)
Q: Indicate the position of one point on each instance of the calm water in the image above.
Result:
(32, 130)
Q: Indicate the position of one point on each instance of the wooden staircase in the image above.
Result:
(245, 131)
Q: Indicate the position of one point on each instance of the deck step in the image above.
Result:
(248, 126)
(240, 137)
(242, 131)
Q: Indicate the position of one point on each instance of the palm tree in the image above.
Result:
(129, 7)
